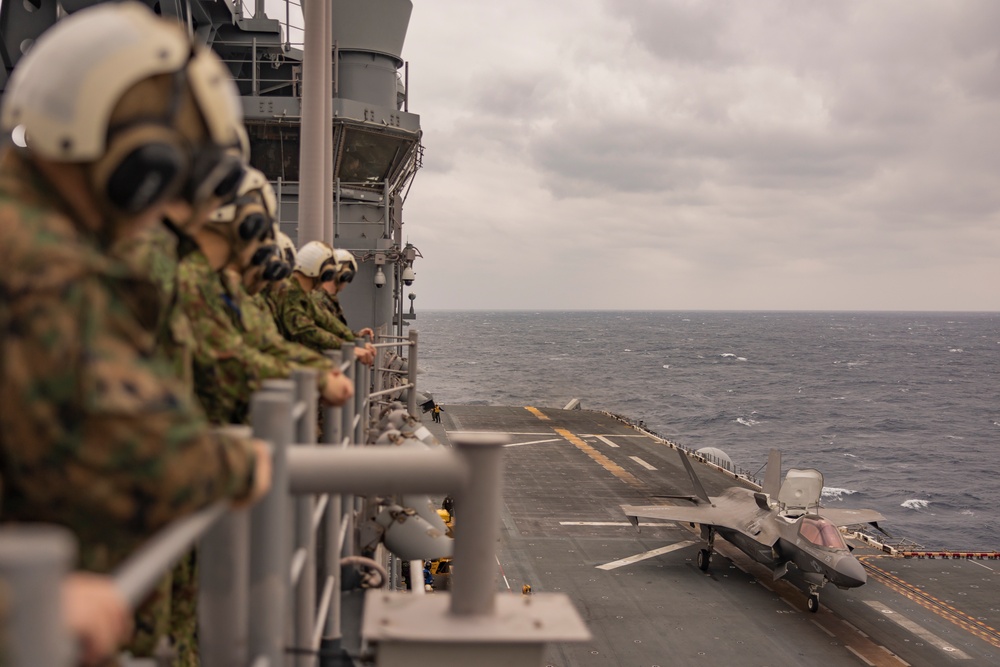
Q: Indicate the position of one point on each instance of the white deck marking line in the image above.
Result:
(668, 524)
(502, 574)
(820, 626)
(534, 442)
(786, 601)
(644, 555)
(645, 465)
(859, 656)
(981, 565)
(854, 627)
(606, 441)
(903, 662)
(918, 630)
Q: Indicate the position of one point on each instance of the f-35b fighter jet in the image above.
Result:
(782, 526)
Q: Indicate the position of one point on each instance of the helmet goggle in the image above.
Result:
(270, 258)
(328, 271)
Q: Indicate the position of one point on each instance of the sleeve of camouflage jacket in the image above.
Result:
(227, 368)
(97, 434)
(299, 320)
(327, 319)
(265, 335)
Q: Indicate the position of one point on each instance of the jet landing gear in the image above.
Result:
(705, 555)
(812, 602)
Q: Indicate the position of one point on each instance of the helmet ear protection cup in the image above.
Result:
(252, 222)
(143, 164)
(346, 276)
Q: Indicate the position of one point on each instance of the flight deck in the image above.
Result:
(642, 594)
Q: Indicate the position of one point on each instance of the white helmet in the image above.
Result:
(311, 258)
(64, 91)
(347, 265)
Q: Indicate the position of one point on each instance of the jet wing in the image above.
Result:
(849, 517)
(706, 515)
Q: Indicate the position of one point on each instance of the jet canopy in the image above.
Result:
(822, 533)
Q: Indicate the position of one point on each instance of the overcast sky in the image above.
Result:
(673, 154)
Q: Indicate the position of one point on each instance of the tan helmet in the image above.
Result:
(311, 257)
(124, 92)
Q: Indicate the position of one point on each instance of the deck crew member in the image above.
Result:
(96, 434)
(326, 297)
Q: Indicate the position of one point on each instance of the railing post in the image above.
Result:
(477, 525)
(351, 407)
(254, 85)
(411, 375)
(271, 417)
(34, 561)
(305, 589)
(224, 586)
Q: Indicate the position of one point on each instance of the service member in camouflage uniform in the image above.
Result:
(296, 313)
(231, 359)
(326, 297)
(96, 434)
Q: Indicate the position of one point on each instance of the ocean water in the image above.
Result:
(900, 411)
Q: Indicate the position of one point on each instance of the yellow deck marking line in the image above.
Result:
(538, 413)
(605, 462)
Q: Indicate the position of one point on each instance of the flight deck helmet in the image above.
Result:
(347, 265)
(315, 260)
(247, 225)
(287, 247)
(125, 94)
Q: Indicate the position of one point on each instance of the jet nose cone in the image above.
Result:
(852, 572)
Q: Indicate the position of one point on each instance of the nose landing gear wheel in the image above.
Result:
(812, 604)
(704, 559)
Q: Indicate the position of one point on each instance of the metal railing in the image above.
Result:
(271, 583)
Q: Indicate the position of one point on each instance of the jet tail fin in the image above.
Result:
(772, 477)
(699, 490)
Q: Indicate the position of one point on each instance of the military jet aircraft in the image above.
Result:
(781, 527)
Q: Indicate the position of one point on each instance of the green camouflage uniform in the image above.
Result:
(95, 433)
(231, 358)
(329, 304)
(172, 607)
(299, 320)
(263, 333)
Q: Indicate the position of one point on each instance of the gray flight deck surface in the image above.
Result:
(567, 473)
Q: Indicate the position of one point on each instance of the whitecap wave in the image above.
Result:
(666, 365)
(915, 504)
(741, 358)
(956, 349)
(853, 456)
(627, 350)
(834, 493)
(727, 355)
(968, 513)
(953, 437)
(747, 421)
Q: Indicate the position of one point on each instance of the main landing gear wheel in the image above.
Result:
(704, 559)
(812, 603)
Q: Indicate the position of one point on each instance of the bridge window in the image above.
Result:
(822, 533)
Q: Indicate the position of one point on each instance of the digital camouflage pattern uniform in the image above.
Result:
(95, 433)
(171, 610)
(300, 320)
(328, 303)
(231, 359)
